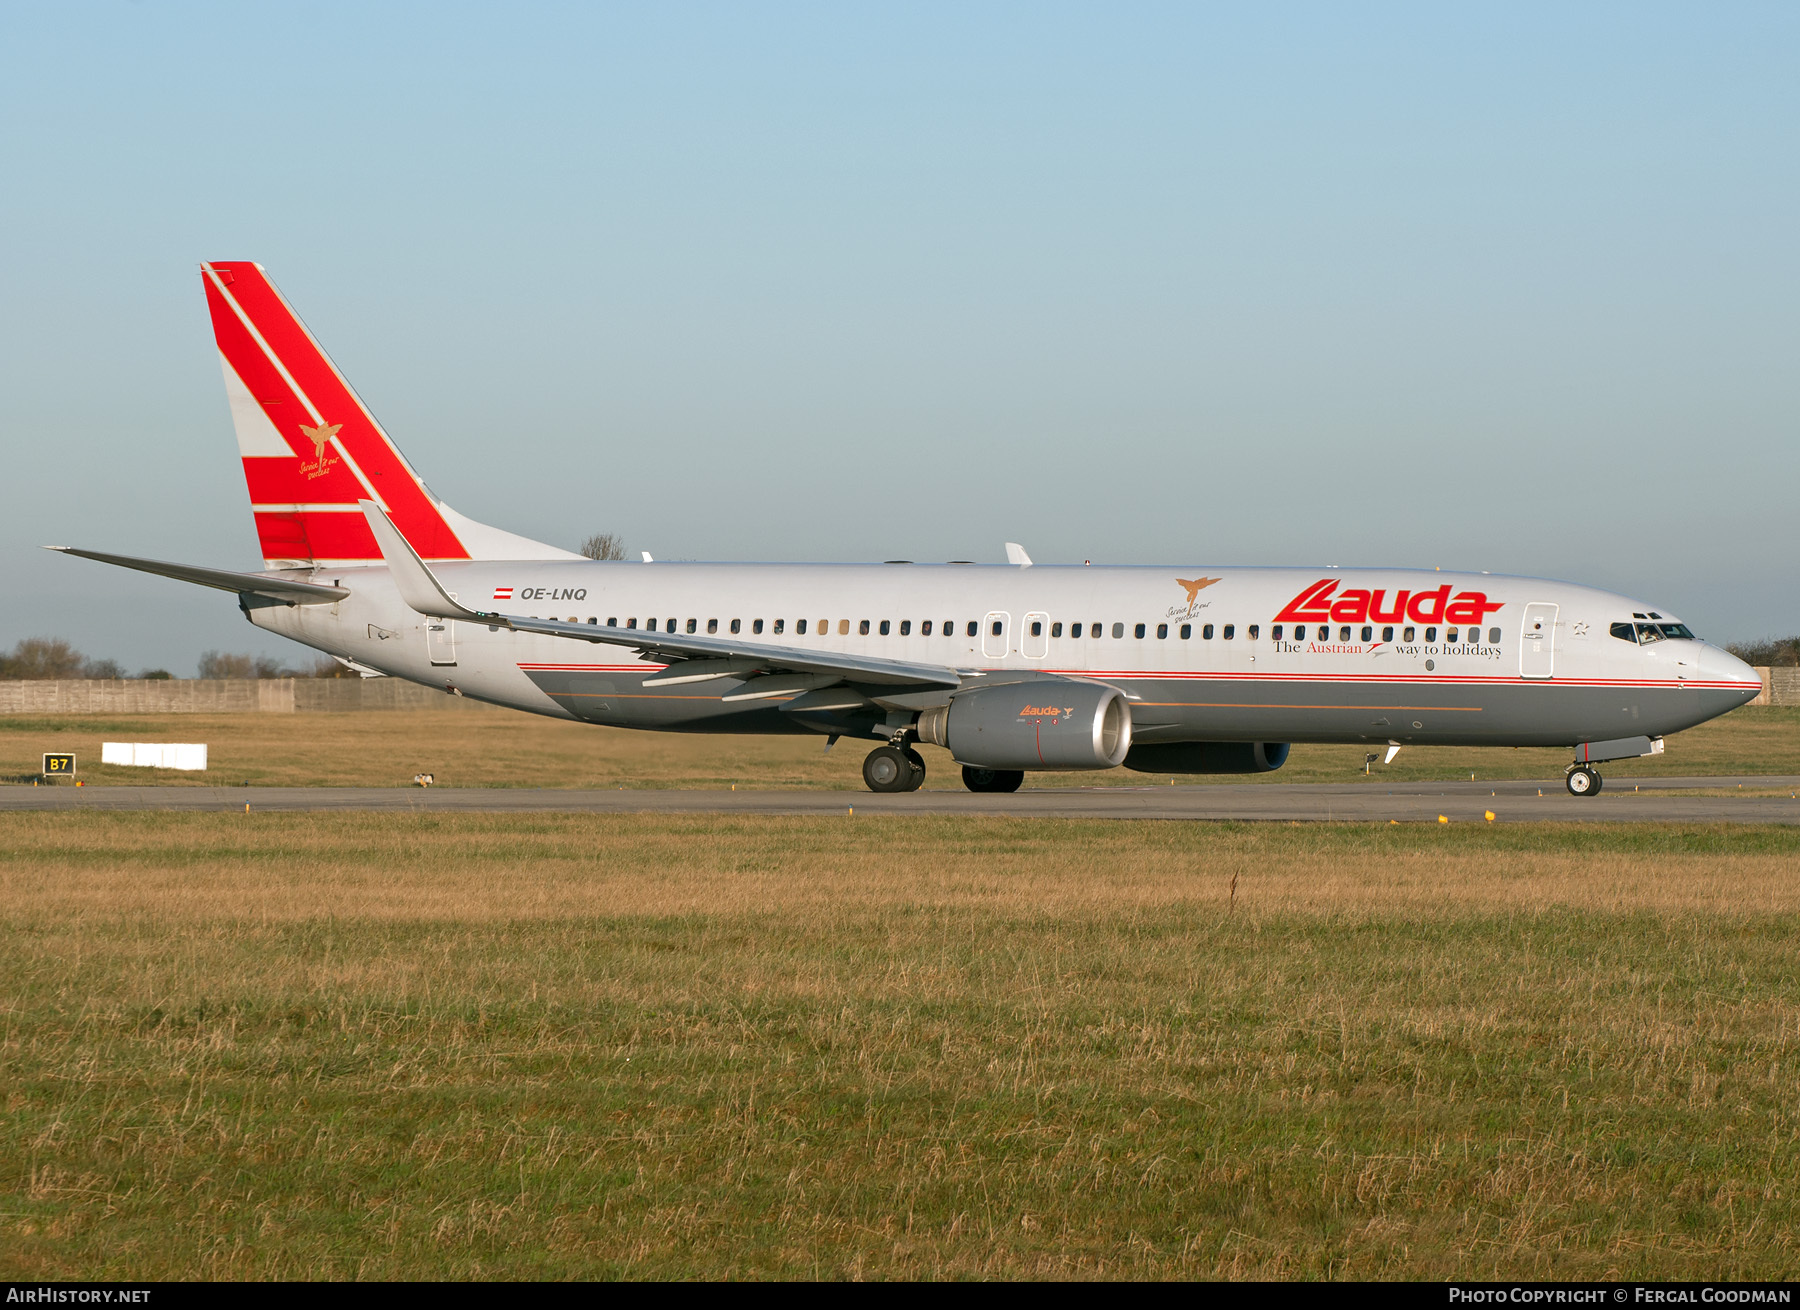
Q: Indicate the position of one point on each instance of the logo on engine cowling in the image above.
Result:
(1047, 712)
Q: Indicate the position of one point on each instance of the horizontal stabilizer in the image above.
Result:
(283, 589)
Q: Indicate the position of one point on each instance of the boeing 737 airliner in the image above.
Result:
(1186, 669)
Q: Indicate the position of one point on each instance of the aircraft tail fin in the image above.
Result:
(312, 450)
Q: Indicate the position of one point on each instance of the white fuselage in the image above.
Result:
(1221, 654)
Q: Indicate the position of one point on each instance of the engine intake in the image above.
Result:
(1033, 725)
(1208, 757)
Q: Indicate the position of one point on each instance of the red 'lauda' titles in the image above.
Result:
(1428, 606)
(1309, 604)
(317, 477)
(1358, 606)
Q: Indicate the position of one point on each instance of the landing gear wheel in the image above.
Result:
(1582, 782)
(992, 779)
(918, 765)
(886, 769)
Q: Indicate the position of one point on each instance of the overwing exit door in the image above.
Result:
(1537, 640)
(994, 636)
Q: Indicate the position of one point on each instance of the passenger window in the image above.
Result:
(1074, 629)
(949, 628)
(1162, 631)
(1095, 630)
(1206, 633)
(1275, 633)
(925, 628)
(1387, 634)
(1299, 632)
(1138, 632)
(1118, 631)
(712, 625)
(824, 627)
(593, 622)
(974, 627)
(1187, 630)
(693, 625)
(799, 627)
(884, 627)
(1368, 634)
(1431, 634)
(1037, 627)
(844, 627)
(862, 628)
(996, 627)
(631, 623)
(906, 627)
(1344, 634)
(779, 625)
(1450, 635)
(613, 622)
(1493, 636)
(756, 627)
(1055, 629)
(1407, 635)
(1230, 631)
(1254, 629)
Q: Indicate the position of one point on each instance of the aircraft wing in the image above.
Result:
(694, 658)
(288, 590)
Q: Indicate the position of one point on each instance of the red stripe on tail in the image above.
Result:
(339, 453)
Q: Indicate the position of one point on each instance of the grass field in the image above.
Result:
(509, 749)
(564, 1045)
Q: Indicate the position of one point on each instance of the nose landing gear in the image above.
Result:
(1582, 781)
(894, 768)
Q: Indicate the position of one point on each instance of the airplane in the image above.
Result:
(1013, 668)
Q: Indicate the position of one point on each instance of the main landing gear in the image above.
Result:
(1582, 780)
(894, 768)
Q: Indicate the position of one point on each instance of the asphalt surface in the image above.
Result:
(1639, 801)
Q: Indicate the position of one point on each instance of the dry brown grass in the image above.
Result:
(374, 1046)
(508, 749)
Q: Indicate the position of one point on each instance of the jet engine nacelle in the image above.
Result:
(1208, 757)
(1033, 725)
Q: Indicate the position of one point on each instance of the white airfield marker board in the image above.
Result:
(155, 755)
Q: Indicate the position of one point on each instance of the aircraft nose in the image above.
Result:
(1721, 666)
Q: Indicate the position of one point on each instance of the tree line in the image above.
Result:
(54, 658)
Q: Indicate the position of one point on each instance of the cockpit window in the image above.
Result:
(1645, 633)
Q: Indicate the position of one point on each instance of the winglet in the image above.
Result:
(1015, 554)
(418, 586)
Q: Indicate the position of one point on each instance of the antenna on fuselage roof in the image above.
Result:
(1015, 554)
(646, 555)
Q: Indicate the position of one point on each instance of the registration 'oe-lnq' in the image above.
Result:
(1186, 669)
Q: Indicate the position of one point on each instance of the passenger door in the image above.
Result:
(994, 635)
(1537, 640)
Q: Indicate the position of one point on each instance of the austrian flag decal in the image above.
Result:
(502, 593)
(1357, 606)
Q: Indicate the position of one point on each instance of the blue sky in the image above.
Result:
(1512, 288)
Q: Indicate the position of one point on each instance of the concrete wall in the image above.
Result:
(1783, 685)
(223, 696)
